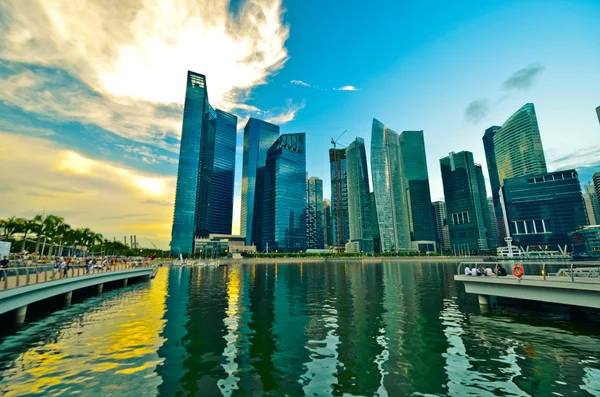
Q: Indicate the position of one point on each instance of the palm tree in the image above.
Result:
(10, 226)
(52, 226)
(60, 236)
(25, 226)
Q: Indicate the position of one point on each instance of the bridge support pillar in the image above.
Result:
(68, 297)
(484, 300)
(125, 283)
(20, 314)
(100, 288)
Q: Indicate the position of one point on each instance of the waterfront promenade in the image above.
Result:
(25, 285)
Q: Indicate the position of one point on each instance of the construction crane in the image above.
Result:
(152, 242)
(339, 218)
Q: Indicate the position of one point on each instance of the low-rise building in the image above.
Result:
(585, 241)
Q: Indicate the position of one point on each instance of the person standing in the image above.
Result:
(3, 266)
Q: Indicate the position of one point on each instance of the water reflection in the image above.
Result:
(318, 329)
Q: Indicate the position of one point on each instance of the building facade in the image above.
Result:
(194, 173)
(375, 225)
(464, 205)
(493, 233)
(598, 113)
(314, 213)
(389, 187)
(223, 178)
(543, 209)
(495, 185)
(284, 197)
(259, 136)
(592, 204)
(441, 225)
(327, 232)
(418, 195)
(518, 146)
(340, 226)
(359, 198)
(585, 241)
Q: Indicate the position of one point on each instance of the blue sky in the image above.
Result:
(92, 111)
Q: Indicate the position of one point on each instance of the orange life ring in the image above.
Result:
(518, 271)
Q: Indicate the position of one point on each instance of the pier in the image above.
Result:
(573, 284)
(23, 286)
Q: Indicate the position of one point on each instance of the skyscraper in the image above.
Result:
(258, 138)
(327, 233)
(488, 146)
(284, 197)
(359, 199)
(314, 213)
(542, 209)
(375, 225)
(518, 146)
(414, 166)
(598, 113)
(596, 180)
(389, 188)
(493, 234)
(592, 205)
(221, 194)
(441, 225)
(485, 208)
(194, 174)
(462, 191)
(340, 227)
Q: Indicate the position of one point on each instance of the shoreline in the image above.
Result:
(421, 259)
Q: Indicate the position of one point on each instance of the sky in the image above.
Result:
(91, 92)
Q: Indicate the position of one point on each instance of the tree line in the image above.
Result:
(50, 236)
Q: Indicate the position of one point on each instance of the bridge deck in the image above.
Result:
(561, 290)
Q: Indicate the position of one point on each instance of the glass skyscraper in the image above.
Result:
(441, 225)
(258, 138)
(466, 202)
(194, 174)
(340, 228)
(375, 225)
(359, 198)
(488, 146)
(485, 208)
(518, 146)
(592, 205)
(284, 197)
(414, 166)
(221, 193)
(327, 223)
(598, 113)
(314, 213)
(389, 187)
(542, 209)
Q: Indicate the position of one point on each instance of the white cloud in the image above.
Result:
(346, 88)
(284, 115)
(300, 82)
(135, 55)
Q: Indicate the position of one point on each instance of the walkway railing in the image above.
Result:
(553, 271)
(18, 276)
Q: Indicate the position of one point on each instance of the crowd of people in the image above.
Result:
(479, 270)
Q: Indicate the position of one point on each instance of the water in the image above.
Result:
(385, 329)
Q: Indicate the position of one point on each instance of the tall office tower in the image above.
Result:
(314, 213)
(414, 166)
(518, 146)
(389, 188)
(284, 197)
(440, 222)
(598, 113)
(596, 181)
(493, 234)
(258, 138)
(375, 225)
(359, 198)
(327, 232)
(462, 191)
(340, 226)
(542, 209)
(592, 204)
(485, 208)
(194, 173)
(221, 194)
(488, 146)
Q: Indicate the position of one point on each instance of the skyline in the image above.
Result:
(105, 153)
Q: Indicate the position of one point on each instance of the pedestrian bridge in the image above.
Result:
(23, 286)
(573, 284)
